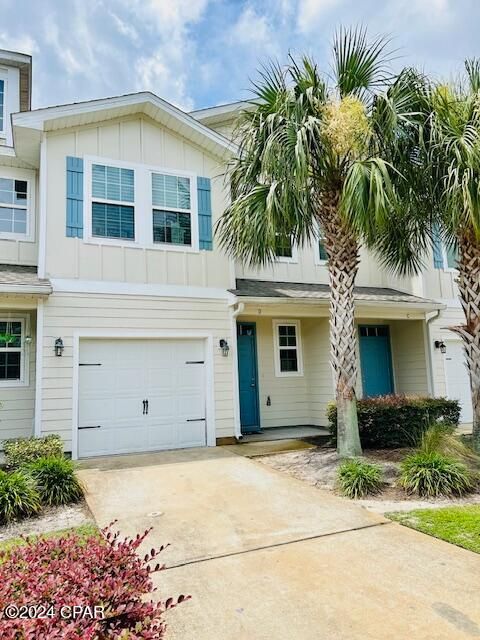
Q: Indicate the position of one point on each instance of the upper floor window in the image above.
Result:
(113, 198)
(285, 249)
(13, 206)
(129, 203)
(450, 257)
(2, 105)
(171, 212)
(13, 365)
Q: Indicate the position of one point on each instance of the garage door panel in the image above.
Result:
(458, 379)
(111, 395)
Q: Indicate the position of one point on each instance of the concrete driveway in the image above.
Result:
(266, 556)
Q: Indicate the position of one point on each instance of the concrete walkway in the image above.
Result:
(266, 556)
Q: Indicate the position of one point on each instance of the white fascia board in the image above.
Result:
(39, 290)
(36, 119)
(221, 112)
(99, 287)
(421, 306)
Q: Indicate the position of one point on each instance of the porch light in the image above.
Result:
(440, 344)
(224, 347)
(59, 347)
(28, 339)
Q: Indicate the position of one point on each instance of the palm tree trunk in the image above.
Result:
(342, 249)
(469, 287)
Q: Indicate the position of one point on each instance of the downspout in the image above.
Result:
(435, 315)
(236, 308)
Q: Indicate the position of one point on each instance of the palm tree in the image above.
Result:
(314, 150)
(451, 150)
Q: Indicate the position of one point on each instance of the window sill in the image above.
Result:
(132, 244)
(13, 384)
(290, 374)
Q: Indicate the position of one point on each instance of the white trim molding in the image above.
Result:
(39, 370)
(145, 334)
(277, 347)
(104, 287)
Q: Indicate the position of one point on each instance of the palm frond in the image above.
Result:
(360, 65)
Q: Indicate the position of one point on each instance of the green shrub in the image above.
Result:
(18, 496)
(55, 480)
(441, 438)
(19, 451)
(433, 474)
(358, 478)
(389, 422)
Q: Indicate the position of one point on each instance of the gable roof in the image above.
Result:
(28, 126)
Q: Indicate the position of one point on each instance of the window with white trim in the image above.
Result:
(2, 106)
(285, 249)
(288, 352)
(113, 202)
(12, 351)
(171, 212)
(13, 206)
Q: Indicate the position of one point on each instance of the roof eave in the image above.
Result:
(24, 289)
(63, 116)
(427, 305)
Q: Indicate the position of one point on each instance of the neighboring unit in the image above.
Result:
(124, 327)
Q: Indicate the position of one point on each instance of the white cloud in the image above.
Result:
(254, 31)
(125, 29)
(156, 75)
(310, 11)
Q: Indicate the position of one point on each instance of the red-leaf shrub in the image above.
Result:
(57, 574)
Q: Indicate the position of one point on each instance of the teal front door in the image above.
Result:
(376, 360)
(248, 377)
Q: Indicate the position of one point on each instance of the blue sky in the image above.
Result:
(198, 53)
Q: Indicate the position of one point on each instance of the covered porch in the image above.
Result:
(21, 295)
(284, 375)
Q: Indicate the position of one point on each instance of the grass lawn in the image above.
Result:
(458, 525)
(83, 531)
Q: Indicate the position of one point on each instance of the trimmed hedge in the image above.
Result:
(388, 422)
(20, 451)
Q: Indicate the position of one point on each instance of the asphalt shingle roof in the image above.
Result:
(22, 279)
(268, 289)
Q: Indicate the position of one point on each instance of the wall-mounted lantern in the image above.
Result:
(440, 344)
(28, 339)
(59, 347)
(224, 347)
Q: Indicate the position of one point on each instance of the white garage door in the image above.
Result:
(458, 380)
(140, 395)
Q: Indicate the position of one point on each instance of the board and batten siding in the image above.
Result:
(141, 141)
(409, 357)
(64, 314)
(17, 408)
(308, 269)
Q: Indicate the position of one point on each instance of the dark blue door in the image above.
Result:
(248, 377)
(376, 360)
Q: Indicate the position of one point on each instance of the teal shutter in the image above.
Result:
(437, 249)
(204, 214)
(74, 197)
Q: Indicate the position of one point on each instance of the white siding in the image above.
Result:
(136, 140)
(66, 313)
